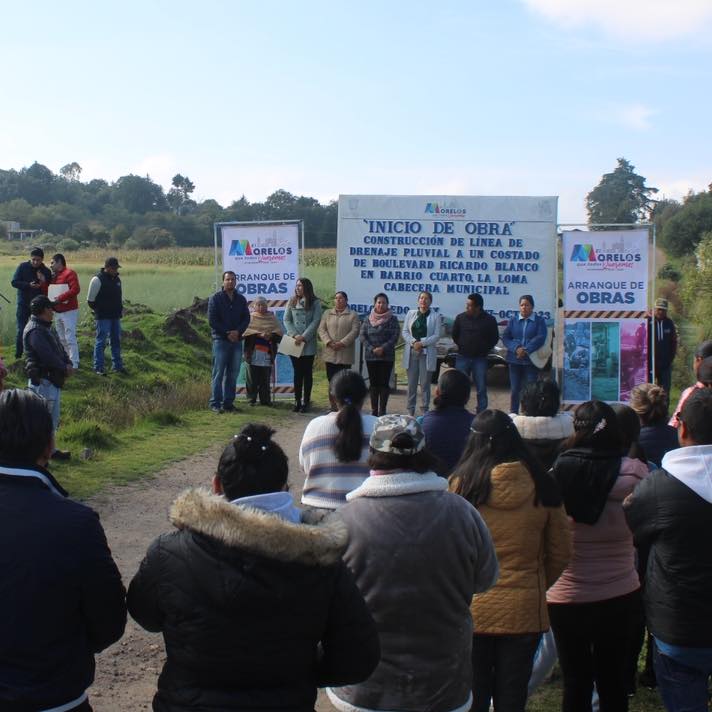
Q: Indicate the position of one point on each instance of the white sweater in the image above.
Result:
(328, 481)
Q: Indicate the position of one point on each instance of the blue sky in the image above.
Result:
(518, 97)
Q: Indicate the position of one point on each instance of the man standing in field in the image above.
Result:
(66, 306)
(475, 332)
(31, 279)
(228, 316)
(664, 339)
(670, 515)
(105, 300)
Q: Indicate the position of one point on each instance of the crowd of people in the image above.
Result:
(432, 559)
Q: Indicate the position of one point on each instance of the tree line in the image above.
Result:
(136, 212)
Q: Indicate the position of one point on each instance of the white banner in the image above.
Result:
(501, 247)
(606, 270)
(264, 257)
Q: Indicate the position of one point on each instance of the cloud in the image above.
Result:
(635, 116)
(629, 19)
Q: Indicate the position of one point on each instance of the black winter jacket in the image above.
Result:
(108, 303)
(24, 275)
(255, 611)
(672, 528)
(45, 356)
(475, 336)
(61, 595)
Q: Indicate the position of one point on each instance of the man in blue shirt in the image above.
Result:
(228, 316)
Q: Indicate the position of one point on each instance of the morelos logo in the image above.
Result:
(240, 248)
(437, 209)
(583, 253)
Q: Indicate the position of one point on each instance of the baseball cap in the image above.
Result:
(112, 262)
(661, 304)
(388, 427)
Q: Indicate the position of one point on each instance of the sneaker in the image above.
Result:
(61, 455)
(99, 372)
(216, 409)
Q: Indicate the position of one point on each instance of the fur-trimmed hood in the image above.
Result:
(319, 540)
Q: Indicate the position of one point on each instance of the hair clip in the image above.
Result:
(347, 401)
(249, 438)
(264, 448)
(600, 425)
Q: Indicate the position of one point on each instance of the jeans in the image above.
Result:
(418, 373)
(501, 666)
(51, 396)
(683, 689)
(476, 368)
(66, 325)
(227, 359)
(22, 314)
(111, 329)
(519, 374)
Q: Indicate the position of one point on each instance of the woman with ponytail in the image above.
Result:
(256, 606)
(522, 508)
(598, 595)
(334, 448)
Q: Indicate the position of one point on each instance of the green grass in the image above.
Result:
(152, 444)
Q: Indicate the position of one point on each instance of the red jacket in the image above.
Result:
(67, 301)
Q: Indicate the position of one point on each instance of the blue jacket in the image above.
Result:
(60, 592)
(225, 314)
(446, 432)
(531, 338)
(24, 275)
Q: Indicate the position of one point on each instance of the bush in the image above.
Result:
(68, 245)
(667, 271)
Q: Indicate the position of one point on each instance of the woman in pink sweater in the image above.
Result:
(592, 602)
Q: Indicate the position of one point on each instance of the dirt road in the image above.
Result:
(134, 515)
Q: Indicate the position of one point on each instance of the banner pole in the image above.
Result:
(215, 240)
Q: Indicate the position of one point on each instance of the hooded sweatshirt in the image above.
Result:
(670, 516)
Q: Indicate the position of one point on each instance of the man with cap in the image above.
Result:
(105, 300)
(47, 364)
(31, 279)
(663, 340)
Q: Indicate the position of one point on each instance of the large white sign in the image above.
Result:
(265, 258)
(606, 270)
(501, 247)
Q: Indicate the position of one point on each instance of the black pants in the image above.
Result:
(593, 641)
(259, 384)
(23, 315)
(303, 377)
(501, 668)
(379, 373)
(333, 368)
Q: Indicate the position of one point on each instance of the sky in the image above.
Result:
(407, 97)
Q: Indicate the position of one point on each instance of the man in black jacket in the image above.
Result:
(61, 594)
(46, 362)
(670, 515)
(475, 332)
(663, 342)
(31, 279)
(106, 301)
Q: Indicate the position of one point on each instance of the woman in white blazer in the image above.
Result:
(421, 331)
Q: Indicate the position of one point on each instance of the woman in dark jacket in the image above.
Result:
(254, 602)
(650, 403)
(379, 336)
(447, 427)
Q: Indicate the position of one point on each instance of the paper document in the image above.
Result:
(55, 290)
(289, 347)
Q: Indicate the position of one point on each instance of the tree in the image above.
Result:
(620, 197)
(179, 195)
(683, 231)
(138, 195)
(71, 171)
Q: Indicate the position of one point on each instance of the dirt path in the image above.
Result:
(134, 515)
